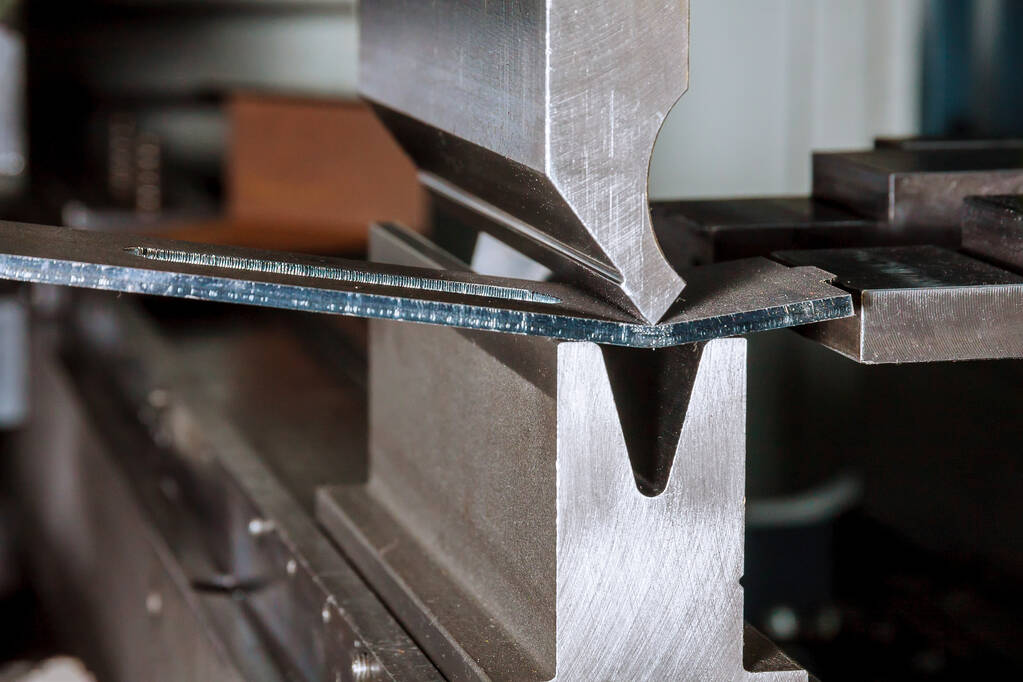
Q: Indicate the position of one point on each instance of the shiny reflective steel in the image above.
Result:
(540, 115)
(505, 523)
(505, 528)
(920, 304)
(993, 229)
(725, 300)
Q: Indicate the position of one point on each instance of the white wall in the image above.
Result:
(772, 80)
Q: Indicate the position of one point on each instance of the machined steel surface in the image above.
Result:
(993, 229)
(723, 300)
(909, 188)
(920, 304)
(540, 116)
(712, 231)
(522, 548)
(506, 526)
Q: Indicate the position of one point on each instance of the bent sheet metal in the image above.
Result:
(723, 300)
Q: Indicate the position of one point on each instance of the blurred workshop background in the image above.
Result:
(771, 81)
(237, 121)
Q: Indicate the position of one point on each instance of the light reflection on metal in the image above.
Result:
(215, 260)
(540, 117)
(723, 300)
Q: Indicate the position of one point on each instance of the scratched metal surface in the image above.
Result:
(726, 300)
(580, 87)
(487, 536)
(509, 565)
(920, 304)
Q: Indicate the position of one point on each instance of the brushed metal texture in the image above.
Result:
(920, 304)
(545, 111)
(506, 524)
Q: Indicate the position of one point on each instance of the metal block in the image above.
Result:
(580, 89)
(538, 510)
(702, 232)
(908, 188)
(920, 304)
(520, 546)
(993, 229)
(723, 300)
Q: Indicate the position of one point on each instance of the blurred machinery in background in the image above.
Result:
(575, 419)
